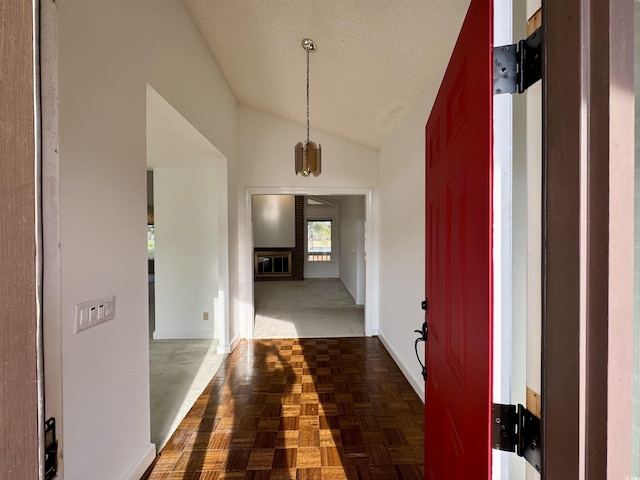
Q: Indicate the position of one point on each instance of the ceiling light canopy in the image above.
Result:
(308, 154)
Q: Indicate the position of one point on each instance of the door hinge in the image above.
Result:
(516, 429)
(518, 66)
(50, 450)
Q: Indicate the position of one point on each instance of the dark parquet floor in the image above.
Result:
(308, 409)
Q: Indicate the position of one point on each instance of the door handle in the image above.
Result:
(421, 338)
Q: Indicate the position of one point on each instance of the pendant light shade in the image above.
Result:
(308, 159)
(308, 154)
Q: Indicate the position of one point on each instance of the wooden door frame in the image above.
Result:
(20, 332)
(588, 171)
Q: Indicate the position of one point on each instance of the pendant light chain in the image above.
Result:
(307, 99)
(307, 153)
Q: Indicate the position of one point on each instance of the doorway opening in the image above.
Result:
(188, 266)
(356, 203)
(309, 265)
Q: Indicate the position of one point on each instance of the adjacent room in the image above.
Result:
(309, 266)
(187, 281)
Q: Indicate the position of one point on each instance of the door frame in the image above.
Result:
(588, 167)
(21, 398)
(247, 312)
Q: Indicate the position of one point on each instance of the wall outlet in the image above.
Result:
(205, 315)
(94, 312)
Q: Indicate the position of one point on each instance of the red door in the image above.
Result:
(458, 258)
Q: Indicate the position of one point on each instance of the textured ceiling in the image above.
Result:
(374, 57)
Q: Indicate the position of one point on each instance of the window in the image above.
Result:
(151, 241)
(319, 240)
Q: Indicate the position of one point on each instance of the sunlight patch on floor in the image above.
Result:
(277, 327)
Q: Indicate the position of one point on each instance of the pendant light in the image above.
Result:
(308, 154)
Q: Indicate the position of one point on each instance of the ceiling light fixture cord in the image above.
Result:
(307, 153)
(305, 145)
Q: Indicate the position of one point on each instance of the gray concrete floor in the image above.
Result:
(179, 370)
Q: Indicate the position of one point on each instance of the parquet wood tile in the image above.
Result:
(301, 409)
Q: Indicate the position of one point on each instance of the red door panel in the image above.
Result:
(458, 258)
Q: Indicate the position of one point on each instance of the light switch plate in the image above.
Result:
(94, 312)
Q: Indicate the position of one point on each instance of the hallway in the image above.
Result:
(335, 408)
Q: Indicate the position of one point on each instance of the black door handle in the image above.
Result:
(421, 338)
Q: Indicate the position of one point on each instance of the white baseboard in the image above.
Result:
(417, 385)
(358, 301)
(229, 347)
(223, 348)
(234, 343)
(141, 466)
(182, 335)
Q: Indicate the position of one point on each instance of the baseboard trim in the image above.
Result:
(234, 343)
(357, 301)
(415, 383)
(182, 335)
(140, 468)
(223, 348)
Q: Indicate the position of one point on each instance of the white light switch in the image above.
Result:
(94, 312)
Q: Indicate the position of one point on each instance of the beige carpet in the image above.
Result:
(312, 308)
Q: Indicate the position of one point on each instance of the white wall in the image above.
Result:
(347, 168)
(186, 256)
(173, 143)
(108, 52)
(352, 246)
(274, 221)
(402, 239)
(266, 154)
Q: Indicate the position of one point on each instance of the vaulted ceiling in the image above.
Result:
(374, 57)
